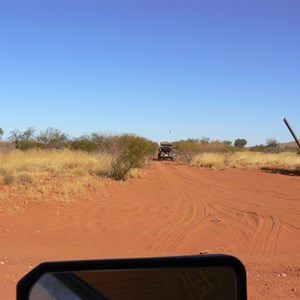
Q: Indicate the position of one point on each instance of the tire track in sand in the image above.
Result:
(255, 229)
(258, 232)
(189, 210)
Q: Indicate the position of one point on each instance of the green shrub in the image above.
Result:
(133, 153)
(258, 148)
(26, 145)
(120, 169)
(84, 144)
(240, 142)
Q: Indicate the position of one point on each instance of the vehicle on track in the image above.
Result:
(165, 151)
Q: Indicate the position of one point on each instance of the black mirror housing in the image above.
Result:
(196, 277)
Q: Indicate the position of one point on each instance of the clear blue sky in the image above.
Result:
(220, 69)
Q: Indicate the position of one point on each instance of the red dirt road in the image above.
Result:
(175, 209)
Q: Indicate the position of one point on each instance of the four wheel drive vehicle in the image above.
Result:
(214, 276)
(165, 151)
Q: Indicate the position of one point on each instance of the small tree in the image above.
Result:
(1, 133)
(240, 142)
(204, 140)
(22, 139)
(83, 143)
(272, 145)
(52, 138)
(27, 134)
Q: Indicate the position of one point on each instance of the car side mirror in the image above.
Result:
(183, 277)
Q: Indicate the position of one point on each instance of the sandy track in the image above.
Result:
(175, 209)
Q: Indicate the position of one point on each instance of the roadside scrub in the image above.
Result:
(134, 152)
(60, 174)
(248, 160)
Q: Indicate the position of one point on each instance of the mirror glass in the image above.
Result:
(169, 283)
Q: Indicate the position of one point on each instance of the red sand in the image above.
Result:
(174, 210)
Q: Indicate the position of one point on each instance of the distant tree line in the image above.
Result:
(53, 138)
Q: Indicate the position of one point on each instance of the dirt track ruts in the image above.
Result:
(175, 209)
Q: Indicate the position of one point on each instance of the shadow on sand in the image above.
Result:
(281, 171)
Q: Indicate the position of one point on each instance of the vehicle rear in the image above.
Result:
(165, 152)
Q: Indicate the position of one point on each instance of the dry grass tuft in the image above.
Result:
(210, 160)
(9, 178)
(135, 173)
(24, 178)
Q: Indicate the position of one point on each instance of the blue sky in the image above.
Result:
(165, 70)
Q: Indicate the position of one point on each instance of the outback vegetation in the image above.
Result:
(52, 165)
(285, 161)
(224, 155)
(41, 174)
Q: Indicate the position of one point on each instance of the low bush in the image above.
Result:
(186, 150)
(83, 144)
(133, 153)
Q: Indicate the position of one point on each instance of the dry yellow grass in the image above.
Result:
(248, 160)
(58, 175)
(135, 173)
(210, 160)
